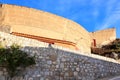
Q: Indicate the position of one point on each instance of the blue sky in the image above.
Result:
(91, 14)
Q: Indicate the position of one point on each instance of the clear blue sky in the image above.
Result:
(91, 14)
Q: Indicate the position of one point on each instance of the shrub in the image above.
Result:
(14, 59)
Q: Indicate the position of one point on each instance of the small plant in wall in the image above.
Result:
(14, 59)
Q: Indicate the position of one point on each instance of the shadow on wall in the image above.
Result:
(55, 64)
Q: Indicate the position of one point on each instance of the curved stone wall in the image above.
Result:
(0, 13)
(43, 24)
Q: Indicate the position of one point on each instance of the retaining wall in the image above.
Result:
(57, 63)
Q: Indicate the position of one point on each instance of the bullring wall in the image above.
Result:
(57, 63)
(104, 37)
(0, 13)
(39, 23)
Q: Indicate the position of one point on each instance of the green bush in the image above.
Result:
(14, 60)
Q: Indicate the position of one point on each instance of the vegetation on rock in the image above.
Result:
(111, 50)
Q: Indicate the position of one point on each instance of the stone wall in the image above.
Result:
(104, 37)
(0, 13)
(57, 63)
(43, 24)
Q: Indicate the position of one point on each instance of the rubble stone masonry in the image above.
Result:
(58, 63)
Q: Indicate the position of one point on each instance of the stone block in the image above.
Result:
(2, 77)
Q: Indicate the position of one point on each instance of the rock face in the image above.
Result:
(56, 63)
